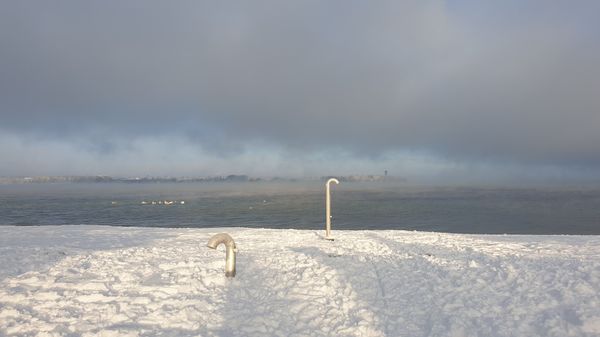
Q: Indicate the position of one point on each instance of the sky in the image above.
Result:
(470, 91)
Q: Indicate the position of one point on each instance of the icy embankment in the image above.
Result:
(81, 280)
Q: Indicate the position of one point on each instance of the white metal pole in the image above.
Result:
(328, 208)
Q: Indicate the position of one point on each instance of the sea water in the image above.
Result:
(300, 205)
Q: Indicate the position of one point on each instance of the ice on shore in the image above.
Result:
(114, 281)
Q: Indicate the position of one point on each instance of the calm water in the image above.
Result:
(301, 205)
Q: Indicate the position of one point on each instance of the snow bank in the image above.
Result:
(112, 281)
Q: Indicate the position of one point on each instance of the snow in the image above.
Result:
(116, 281)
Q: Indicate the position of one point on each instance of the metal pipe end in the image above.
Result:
(217, 239)
(332, 180)
(231, 249)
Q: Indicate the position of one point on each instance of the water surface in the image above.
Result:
(301, 206)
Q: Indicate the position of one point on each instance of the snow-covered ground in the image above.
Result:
(114, 281)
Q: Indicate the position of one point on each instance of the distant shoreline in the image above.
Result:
(152, 180)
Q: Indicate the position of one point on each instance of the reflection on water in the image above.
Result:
(301, 205)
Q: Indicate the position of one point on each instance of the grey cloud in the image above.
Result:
(514, 82)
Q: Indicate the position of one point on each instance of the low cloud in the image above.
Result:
(477, 84)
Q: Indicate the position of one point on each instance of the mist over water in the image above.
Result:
(301, 206)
